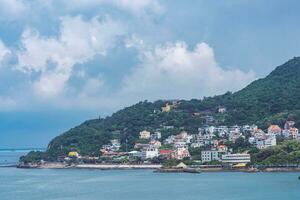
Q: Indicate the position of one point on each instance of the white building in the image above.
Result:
(170, 140)
(210, 155)
(263, 141)
(150, 153)
(236, 158)
(180, 144)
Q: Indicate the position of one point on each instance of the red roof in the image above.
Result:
(165, 151)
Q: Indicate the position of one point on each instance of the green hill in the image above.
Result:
(272, 99)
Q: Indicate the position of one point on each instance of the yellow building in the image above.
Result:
(166, 108)
(145, 135)
(73, 154)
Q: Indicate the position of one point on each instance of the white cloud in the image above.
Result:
(54, 57)
(11, 8)
(134, 6)
(4, 51)
(174, 71)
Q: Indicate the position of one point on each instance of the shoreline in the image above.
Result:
(156, 167)
(89, 166)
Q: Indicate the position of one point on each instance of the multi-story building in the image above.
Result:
(236, 158)
(150, 152)
(210, 155)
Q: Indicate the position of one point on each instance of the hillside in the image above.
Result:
(272, 99)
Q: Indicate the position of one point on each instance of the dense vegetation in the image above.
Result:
(273, 99)
(286, 153)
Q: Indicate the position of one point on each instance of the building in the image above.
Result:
(155, 143)
(265, 143)
(289, 124)
(274, 129)
(170, 140)
(210, 155)
(145, 135)
(166, 108)
(135, 154)
(221, 109)
(150, 153)
(236, 158)
(181, 153)
(141, 146)
(222, 149)
(209, 119)
(262, 140)
(73, 154)
(294, 133)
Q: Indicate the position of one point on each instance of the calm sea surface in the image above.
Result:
(34, 184)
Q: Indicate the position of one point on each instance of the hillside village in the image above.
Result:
(226, 145)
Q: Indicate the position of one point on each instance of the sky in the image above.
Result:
(66, 61)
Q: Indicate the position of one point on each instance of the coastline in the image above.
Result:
(156, 167)
(88, 166)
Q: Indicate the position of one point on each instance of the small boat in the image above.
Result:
(299, 177)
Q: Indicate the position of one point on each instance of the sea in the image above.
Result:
(84, 184)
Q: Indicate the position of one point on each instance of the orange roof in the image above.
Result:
(274, 128)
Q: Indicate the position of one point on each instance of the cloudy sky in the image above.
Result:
(65, 61)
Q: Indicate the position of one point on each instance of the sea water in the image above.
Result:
(73, 184)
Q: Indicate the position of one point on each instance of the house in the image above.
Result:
(262, 140)
(170, 140)
(183, 135)
(166, 108)
(73, 154)
(116, 143)
(294, 133)
(262, 143)
(135, 154)
(209, 155)
(222, 148)
(155, 143)
(236, 158)
(145, 134)
(141, 146)
(289, 124)
(274, 129)
(221, 109)
(209, 119)
(181, 166)
(150, 152)
(168, 127)
(181, 153)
